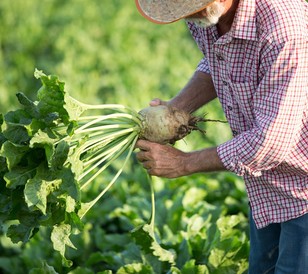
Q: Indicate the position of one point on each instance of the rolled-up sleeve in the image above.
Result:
(203, 66)
(279, 108)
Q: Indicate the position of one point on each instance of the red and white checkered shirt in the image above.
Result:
(260, 72)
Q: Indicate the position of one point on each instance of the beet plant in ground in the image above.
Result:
(54, 147)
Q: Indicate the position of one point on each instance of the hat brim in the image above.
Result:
(166, 12)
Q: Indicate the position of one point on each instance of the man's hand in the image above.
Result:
(161, 160)
(169, 162)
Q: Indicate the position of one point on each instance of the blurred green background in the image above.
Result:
(106, 52)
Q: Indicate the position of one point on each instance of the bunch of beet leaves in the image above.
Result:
(51, 149)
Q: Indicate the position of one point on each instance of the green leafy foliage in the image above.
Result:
(39, 188)
(49, 183)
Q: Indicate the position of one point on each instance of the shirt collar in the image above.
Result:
(244, 24)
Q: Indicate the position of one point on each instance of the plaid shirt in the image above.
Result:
(260, 72)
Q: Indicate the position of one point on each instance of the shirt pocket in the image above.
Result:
(243, 94)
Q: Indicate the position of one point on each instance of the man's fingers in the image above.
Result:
(141, 156)
(156, 102)
(143, 145)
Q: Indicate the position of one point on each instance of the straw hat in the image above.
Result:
(168, 11)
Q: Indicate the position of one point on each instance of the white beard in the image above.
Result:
(213, 13)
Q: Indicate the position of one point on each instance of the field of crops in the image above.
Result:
(106, 53)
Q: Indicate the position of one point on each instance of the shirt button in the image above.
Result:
(219, 57)
(234, 132)
(229, 108)
(225, 82)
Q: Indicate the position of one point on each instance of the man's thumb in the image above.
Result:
(157, 102)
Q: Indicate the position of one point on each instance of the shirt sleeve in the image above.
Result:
(203, 66)
(279, 106)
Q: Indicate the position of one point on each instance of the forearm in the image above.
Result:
(197, 92)
(205, 160)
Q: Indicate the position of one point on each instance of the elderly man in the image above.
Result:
(256, 63)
